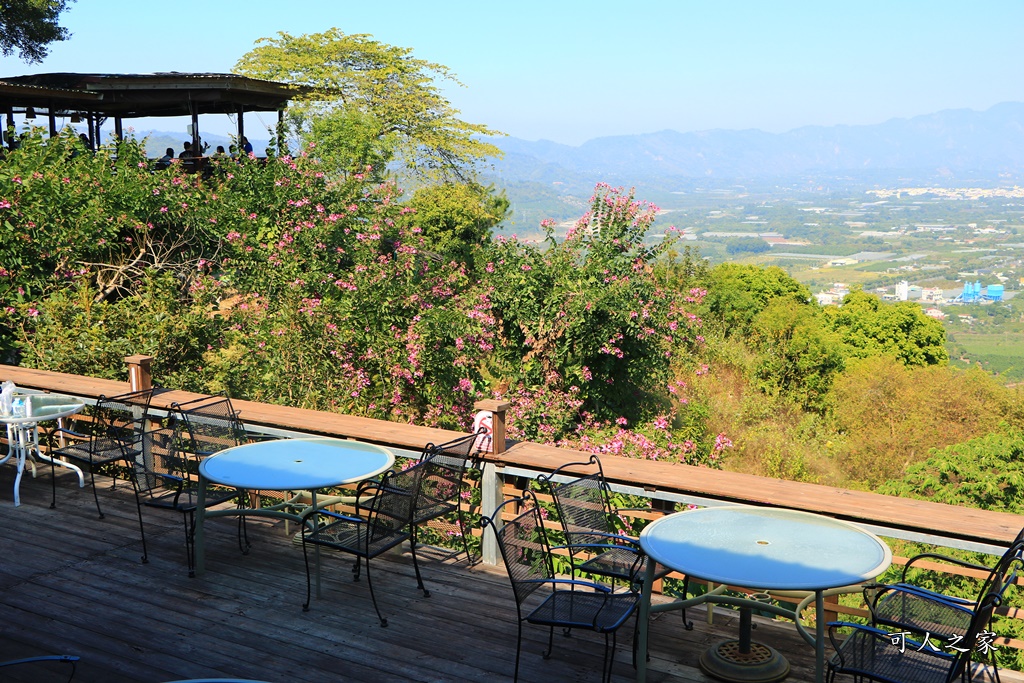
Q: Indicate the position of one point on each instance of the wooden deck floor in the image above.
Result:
(72, 583)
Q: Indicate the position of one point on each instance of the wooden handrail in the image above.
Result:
(938, 519)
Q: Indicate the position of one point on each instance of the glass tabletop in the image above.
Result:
(766, 548)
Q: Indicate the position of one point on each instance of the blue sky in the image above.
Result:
(570, 71)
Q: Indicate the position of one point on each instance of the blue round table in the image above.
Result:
(763, 548)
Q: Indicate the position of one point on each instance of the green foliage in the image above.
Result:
(799, 358)
(893, 414)
(737, 293)
(901, 329)
(364, 100)
(70, 331)
(747, 245)
(29, 26)
(456, 219)
(986, 472)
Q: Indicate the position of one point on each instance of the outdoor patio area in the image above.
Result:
(73, 584)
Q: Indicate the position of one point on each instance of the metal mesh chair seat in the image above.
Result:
(615, 561)
(600, 611)
(100, 452)
(355, 536)
(922, 612)
(872, 653)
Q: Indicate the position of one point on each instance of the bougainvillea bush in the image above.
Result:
(273, 281)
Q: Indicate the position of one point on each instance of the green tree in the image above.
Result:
(986, 472)
(892, 414)
(377, 99)
(902, 329)
(799, 357)
(737, 293)
(456, 219)
(28, 26)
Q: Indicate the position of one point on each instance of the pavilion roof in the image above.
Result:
(144, 95)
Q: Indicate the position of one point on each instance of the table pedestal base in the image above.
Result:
(727, 662)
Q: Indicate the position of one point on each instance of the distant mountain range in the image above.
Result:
(956, 144)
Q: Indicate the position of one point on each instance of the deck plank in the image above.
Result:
(73, 583)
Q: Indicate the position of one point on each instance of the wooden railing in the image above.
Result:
(667, 485)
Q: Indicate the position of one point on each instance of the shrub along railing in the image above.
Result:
(668, 486)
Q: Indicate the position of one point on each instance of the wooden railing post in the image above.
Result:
(497, 409)
(491, 495)
(139, 374)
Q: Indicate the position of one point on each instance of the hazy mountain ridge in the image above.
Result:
(955, 142)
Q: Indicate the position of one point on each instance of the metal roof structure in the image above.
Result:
(144, 95)
(120, 96)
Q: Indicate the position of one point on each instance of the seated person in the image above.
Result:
(165, 160)
(187, 152)
(220, 153)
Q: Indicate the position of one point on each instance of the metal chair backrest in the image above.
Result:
(991, 597)
(523, 545)
(213, 424)
(443, 478)
(120, 421)
(583, 504)
(391, 504)
(168, 464)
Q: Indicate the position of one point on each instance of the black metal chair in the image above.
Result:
(909, 607)
(570, 603)
(165, 475)
(895, 657)
(214, 424)
(62, 659)
(382, 520)
(585, 512)
(442, 485)
(108, 433)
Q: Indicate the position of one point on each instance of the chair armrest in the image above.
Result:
(943, 558)
(602, 546)
(626, 541)
(66, 432)
(336, 515)
(948, 601)
(70, 659)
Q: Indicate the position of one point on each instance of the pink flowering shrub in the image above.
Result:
(278, 282)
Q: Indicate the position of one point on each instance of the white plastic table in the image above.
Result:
(760, 548)
(23, 432)
(304, 464)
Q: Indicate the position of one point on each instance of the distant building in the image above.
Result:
(934, 313)
(902, 290)
(839, 262)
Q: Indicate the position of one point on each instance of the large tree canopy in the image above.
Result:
(368, 100)
(28, 26)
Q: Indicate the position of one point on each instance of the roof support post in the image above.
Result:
(118, 129)
(53, 121)
(282, 142)
(241, 130)
(9, 128)
(94, 129)
(196, 149)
